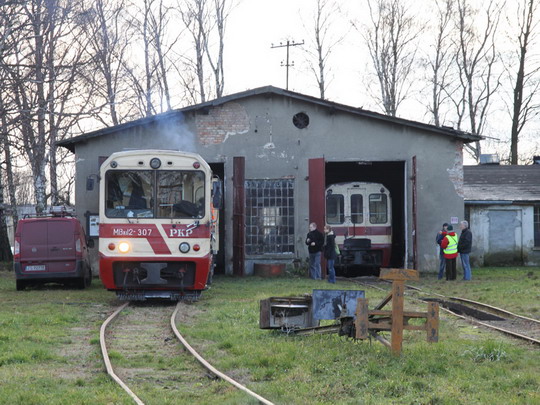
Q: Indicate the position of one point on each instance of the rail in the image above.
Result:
(183, 341)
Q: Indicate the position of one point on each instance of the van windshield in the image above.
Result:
(154, 194)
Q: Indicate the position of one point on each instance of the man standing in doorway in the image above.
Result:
(315, 242)
(464, 249)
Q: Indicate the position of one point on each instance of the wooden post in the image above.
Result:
(432, 322)
(362, 319)
(370, 322)
(398, 287)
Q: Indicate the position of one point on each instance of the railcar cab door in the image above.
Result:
(345, 206)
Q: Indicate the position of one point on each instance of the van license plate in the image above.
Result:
(39, 267)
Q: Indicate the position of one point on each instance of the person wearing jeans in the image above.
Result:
(330, 253)
(315, 242)
(464, 249)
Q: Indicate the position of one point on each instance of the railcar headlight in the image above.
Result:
(123, 247)
(184, 247)
(155, 163)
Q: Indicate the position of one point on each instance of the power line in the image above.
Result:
(287, 45)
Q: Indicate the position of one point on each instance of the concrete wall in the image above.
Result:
(503, 235)
(261, 129)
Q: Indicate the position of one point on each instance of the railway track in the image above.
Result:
(133, 340)
(478, 313)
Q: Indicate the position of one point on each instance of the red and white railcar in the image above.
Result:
(360, 214)
(158, 224)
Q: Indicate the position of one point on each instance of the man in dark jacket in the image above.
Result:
(315, 242)
(464, 249)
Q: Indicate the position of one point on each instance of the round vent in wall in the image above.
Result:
(300, 120)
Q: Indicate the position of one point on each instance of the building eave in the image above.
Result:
(465, 137)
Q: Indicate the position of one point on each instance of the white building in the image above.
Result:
(502, 204)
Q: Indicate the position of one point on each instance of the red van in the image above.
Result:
(51, 249)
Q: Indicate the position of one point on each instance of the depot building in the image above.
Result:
(277, 153)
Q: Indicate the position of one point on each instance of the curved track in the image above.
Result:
(489, 316)
(201, 360)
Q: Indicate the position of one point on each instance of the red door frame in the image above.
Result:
(239, 215)
(317, 198)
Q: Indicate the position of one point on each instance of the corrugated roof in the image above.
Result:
(270, 90)
(501, 183)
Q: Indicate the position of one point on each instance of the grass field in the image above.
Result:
(49, 349)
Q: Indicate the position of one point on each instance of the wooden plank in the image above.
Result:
(398, 288)
(380, 325)
(409, 314)
(432, 322)
(399, 274)
(381, 339)
(362, 319)
(385, 301)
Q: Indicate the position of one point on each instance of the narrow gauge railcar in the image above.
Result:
(158, 230)
(360, 214)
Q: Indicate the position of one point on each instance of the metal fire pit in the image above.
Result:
(286, 313)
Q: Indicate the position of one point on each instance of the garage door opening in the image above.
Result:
(391, 176)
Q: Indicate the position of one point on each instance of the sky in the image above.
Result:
(250, 62)
(255, 26)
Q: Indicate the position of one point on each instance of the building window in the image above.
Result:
(335, 209)
(269, 216)
(537, 225)
(378, 209)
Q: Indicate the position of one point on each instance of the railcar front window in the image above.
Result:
(180, 194)
(129, 194)
(378, 208)
(357, 208)
(158, 193)
(335, 209)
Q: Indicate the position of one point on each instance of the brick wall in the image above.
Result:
(221, 122)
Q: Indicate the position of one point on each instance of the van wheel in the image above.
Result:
(85, 281)
(20, 285)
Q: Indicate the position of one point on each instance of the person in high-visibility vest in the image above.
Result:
(449, 245)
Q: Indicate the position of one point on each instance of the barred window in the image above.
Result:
(269, 216)
(537, 225)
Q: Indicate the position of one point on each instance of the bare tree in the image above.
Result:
(442, 59)
(43, 88)
(324, 41)
(205, 20)
(222, 9)
(195, 17)
(390, 39)
(8, 25)
(476, 60)
(526, 85)
(107, 36)
(152, 85)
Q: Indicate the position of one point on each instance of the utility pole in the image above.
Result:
(287, 64)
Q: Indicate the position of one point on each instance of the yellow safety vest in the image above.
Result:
(452, 245)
